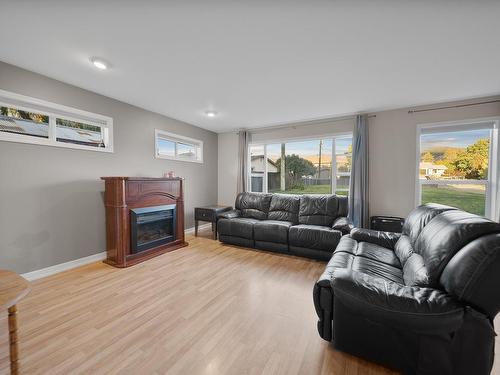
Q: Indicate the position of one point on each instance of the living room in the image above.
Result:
(249, 187)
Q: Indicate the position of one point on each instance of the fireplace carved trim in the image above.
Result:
(122, 194)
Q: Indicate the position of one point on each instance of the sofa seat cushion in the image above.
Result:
(237, 227)
(367, 258)
(378, 269)
(370, 251)
(314, 237)
(271, 231)
(378, 253)
(341, 260)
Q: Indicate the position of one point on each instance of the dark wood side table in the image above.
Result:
(209, 213)
(12, 288)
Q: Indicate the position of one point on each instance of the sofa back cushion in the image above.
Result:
(253, 205)
(414, 270)
(473, 274)
(318, 209)
(447, 233)
(284, 207)
(343, 205)
(420, 217)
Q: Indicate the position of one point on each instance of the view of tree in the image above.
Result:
(30, 116)
(473, 161)
(295, 168)
(470, 162)
(427, 157)
(78, 125)
(448, 158)
(347, 166)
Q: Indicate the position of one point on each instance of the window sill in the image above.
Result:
(8, 137)
(178, 159)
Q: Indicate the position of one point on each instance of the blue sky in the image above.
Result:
(309, 148)
(166, 147)
(459, 139)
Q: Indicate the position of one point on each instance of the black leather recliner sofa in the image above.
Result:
(304, 225)
(422, 301)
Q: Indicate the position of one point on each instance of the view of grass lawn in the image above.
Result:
(309, 189)
(465, 200)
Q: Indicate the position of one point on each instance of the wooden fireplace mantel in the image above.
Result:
(125, 193)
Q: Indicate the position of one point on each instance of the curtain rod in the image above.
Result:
(453, 106)
(304, 123)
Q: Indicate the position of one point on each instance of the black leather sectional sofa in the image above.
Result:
(304, 225)
(422, 301)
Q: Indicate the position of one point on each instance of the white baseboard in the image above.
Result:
(52, 270)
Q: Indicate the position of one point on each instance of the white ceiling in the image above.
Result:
(259, 62)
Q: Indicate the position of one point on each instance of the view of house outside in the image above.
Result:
(20, 122)
(453, 168)
(24, 123)
(307, 167)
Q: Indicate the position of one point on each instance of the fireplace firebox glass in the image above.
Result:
(151, 227)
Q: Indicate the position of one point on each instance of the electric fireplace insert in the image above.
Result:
(151, 227)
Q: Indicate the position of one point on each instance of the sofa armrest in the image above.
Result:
(424, 310)
(229, 214)
(323, 304)
(384, 239)
(342, 224)
(325, 280)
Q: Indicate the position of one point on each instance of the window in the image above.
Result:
(257, 168)
(311, 166)
(29, 120)
(343, 160)
(23, 123)
(82, 133)
(177, 147)
(457, 165)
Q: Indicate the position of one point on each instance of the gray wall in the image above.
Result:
(51, 206)
(228, 164)
(392, 154)
(393, 149)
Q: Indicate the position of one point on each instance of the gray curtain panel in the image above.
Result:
(243, 140)
(358, 189)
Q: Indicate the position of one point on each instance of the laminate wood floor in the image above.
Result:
(204, 309)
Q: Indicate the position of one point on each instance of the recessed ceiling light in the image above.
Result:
(99, 63)
(210, 113)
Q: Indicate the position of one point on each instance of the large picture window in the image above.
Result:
(312, 166)
(29, 120)
(457, 165)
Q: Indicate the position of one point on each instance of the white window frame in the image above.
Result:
(333, 137)
(334, 165)
(249, 163)
(54, 111)
(176, 138)
(492, 192)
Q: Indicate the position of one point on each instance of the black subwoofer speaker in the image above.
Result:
(387, 223)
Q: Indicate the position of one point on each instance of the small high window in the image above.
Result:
(29, 120)
(23, 123)
(177, 147)
(80, 133)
